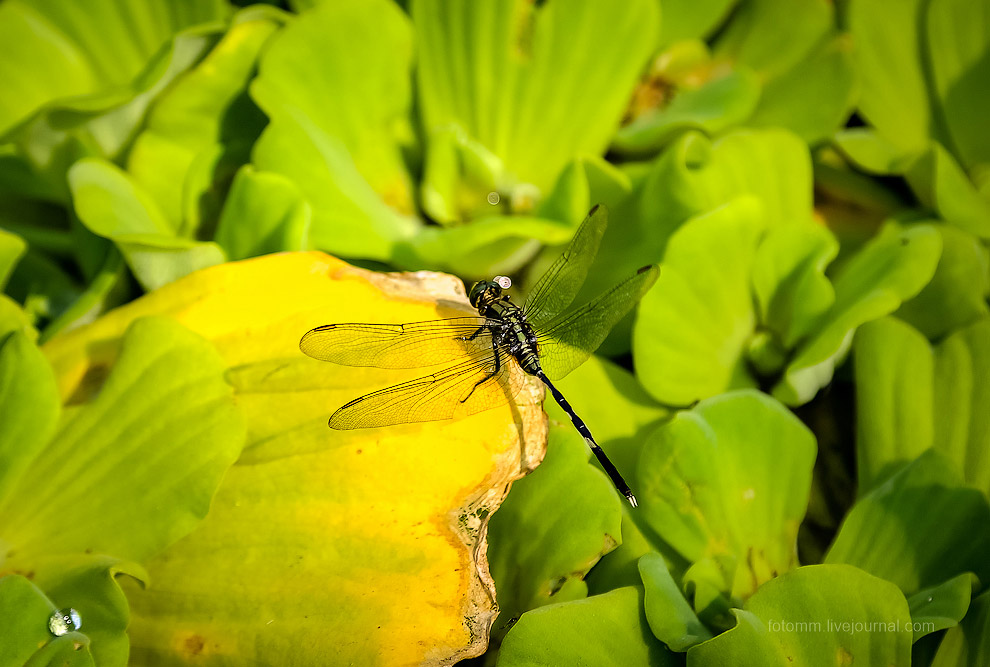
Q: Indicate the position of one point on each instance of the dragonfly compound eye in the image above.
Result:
(484, 292)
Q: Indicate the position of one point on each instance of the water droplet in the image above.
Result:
(63, 621)
(493, 198)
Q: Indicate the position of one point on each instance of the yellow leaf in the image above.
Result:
(321, 546)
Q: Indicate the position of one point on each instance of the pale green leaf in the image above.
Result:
(729, 480)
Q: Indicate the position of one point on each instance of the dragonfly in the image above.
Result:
(486, 357)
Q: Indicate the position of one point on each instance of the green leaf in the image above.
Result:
(335, 84)
(13, 318)
(134, 470)
(940, 182)
(264, 213)
(206, 107)
(691, 19)
(962, 427)
(670, 616)
(792, 292)
(957, 293)
(710, 485)
(745, 38)
(820, 615)
(553, 527)
(694, 176)
(941, 606)
(29, 407)
(918, 528)
(111, 205)
(88, 584)
(893, 99)
(483, 248)
(349, 217)
(617, 409)
(917, 398)
(891, 268)
(894, 370)
(511, 76)
(52, 52)
(12, 248)
(815, 97)
(42, 286)
(106, 289)
(968, 644)
(608, 629)
(24, 613)
(958, 35)
(870, 151)
(715, 106)
(692, 329)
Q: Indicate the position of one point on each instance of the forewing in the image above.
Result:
(413, 345)
(567, 341)
(556, 289)
(463, 389)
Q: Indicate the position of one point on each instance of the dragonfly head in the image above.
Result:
(486, 292)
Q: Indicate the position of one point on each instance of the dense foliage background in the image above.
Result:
(801, 403)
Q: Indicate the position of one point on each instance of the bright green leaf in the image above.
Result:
(958, 33)
(813, 99)
(917, 398)
(512, 76)
(789, 281)
(891, 268)
(941, 606)
(134, 470)
(603, 630)
(670, 616)
(88, 584)
(729, 479)
(335, 83)
(894, 98)
(24, 613)
(961, 393)
(940, 182)
(957, 293)
(693, 326)
(894, 370)
(918, 528)
(815, 616)
(553, 527)
(264, 213)
(712, 108)
(745, 39)
(29, 407)
(112, 205)
(691, 19)
(206, 106)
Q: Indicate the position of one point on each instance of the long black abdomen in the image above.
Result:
(582, 428)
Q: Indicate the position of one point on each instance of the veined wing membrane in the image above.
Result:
(413, 345)
(567, 341)
(557, 288)
(463, 389)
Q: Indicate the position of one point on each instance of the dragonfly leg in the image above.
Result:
(476, 333)
(498, 367)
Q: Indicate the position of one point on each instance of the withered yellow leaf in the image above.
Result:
(321, 547)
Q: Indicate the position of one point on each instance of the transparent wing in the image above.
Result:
(463, 389)
(412, 345)
(556, 289)
(567, 341)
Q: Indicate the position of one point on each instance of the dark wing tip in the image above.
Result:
(594, 209)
